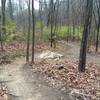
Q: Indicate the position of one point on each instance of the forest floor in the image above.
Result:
(23, 84)
(45, 82)
(73, 49)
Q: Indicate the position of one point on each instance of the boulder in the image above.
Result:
(50, 55)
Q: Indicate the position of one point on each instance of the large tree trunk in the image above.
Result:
(82, 59)
(98, 28)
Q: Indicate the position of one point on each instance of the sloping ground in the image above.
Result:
(23, 84)
(12, 51)
(70, 50)
(73, 52)
(86, 85)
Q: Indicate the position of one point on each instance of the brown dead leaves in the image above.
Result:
(12, 50)
(69, 75)
(3, 92)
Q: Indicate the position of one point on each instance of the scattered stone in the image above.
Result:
(50, 55)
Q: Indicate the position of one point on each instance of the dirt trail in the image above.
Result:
(23, 84)
(73, 53)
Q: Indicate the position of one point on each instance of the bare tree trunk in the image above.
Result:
(28, 37)
(10, 10)
(82, 59)
(51, 20)
(33, 36)
(97, 36)
(98, 28)
(41, 17)
(21, 7)
(3, 3)
(1, 42)
(89, 28)
(68, 20)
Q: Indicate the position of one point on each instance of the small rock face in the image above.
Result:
(50, 55)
